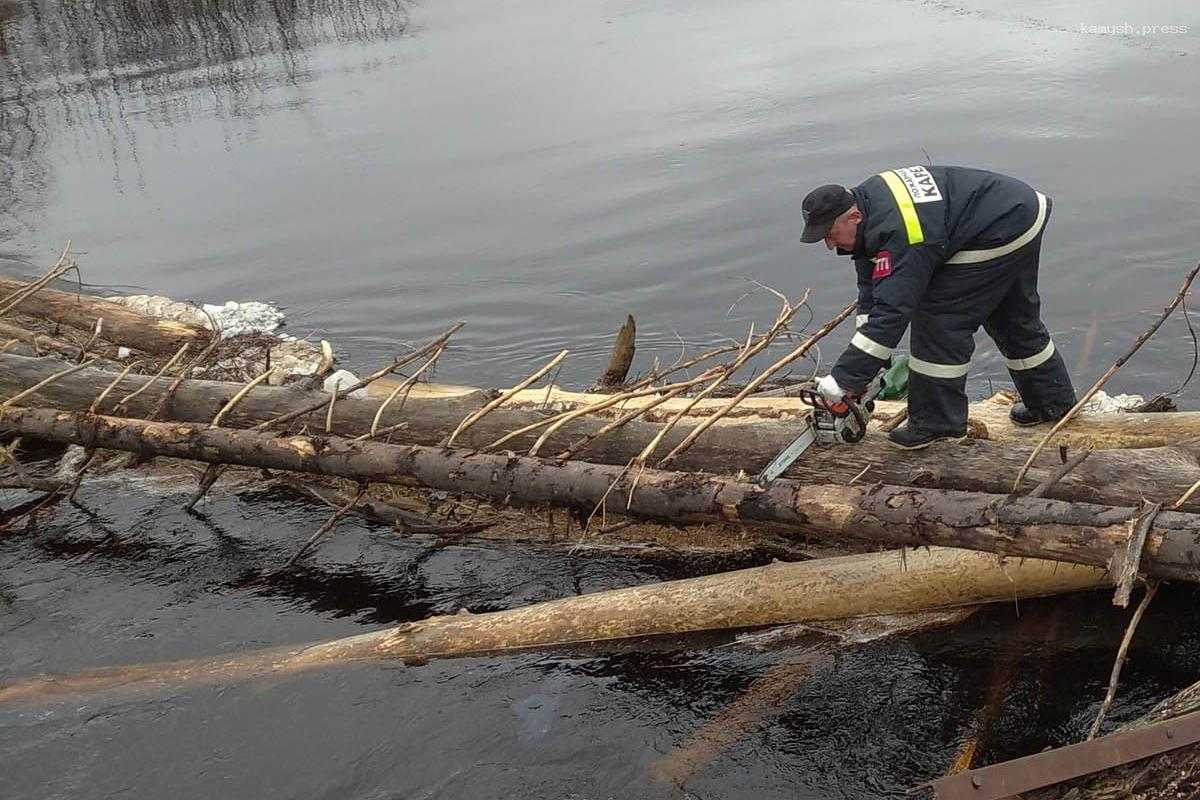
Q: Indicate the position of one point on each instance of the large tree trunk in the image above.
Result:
(122, 325)
(1081, 533)
(988, 418)
(1109, 477)
(828, 588)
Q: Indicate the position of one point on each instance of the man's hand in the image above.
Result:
(830, 390)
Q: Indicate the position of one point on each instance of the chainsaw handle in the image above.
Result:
(841, 408)
(855, 433)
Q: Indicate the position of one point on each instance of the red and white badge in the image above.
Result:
(883, 265)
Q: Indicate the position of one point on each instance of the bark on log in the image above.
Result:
(1107, 477)
(1081, 533)
(35, 343)
(828, 588)
(1121, 477)
(121, 325)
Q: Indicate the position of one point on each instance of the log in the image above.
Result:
(622, 356)
(1107, 477)
(122, 325)
(892, 516)
(988, 418)
(823, 589)
(36, 343)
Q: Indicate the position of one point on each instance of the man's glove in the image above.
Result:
(830, 390)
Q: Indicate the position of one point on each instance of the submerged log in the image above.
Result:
(1111, 477)
(122, 325)
(1081, 533)
(830, 588)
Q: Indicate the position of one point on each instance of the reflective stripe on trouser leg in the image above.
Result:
(1035, 360)
(935, 370)
(1046, 387)
(870, 346)
(942, 345)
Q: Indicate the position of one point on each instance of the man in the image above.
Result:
(947, 249)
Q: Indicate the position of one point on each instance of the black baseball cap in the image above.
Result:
(821, 207)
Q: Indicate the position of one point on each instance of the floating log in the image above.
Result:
(828, 588)
(1081, 533)
(122, 325)
(1111, 477)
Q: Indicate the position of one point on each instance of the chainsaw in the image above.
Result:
(840, 422)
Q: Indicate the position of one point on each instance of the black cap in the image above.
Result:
(821, 207)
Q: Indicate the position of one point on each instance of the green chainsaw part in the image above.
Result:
(895, 380)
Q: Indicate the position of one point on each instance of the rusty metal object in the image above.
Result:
(1047, 768)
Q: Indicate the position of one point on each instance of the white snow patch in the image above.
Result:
(1102, 403)
(233, 318)
(155, 305)
(342, 379)
(251, 316)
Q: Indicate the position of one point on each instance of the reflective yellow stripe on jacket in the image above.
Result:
(908, 211)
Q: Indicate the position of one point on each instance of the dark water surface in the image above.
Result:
(382, 168)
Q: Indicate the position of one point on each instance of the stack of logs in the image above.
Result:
(657, 449)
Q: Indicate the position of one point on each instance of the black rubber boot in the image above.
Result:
(1022, 415)
(907, 439)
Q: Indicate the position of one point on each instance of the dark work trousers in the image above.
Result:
(1001, 295)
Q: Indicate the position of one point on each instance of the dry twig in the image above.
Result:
(95, 407)
(333, 520)
(1060, 473)
(124, 401)
(781, 321)
(343, 392)
(1122, 651)
(237, 398)
(799, 352)
(214, 471)
(96, 330)
(629, 416)
(404, 386)
(62, 266)
(1120, 362)
(46, 382)
(475, 416)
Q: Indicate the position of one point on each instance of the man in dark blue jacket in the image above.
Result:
(948, 249)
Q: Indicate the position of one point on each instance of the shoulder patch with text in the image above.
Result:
(920, 184)
(883, 265)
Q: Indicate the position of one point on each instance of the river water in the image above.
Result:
(383, 168)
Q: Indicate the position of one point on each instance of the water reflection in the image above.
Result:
(90, 66)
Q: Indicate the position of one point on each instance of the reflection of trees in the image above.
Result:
(88, 64)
